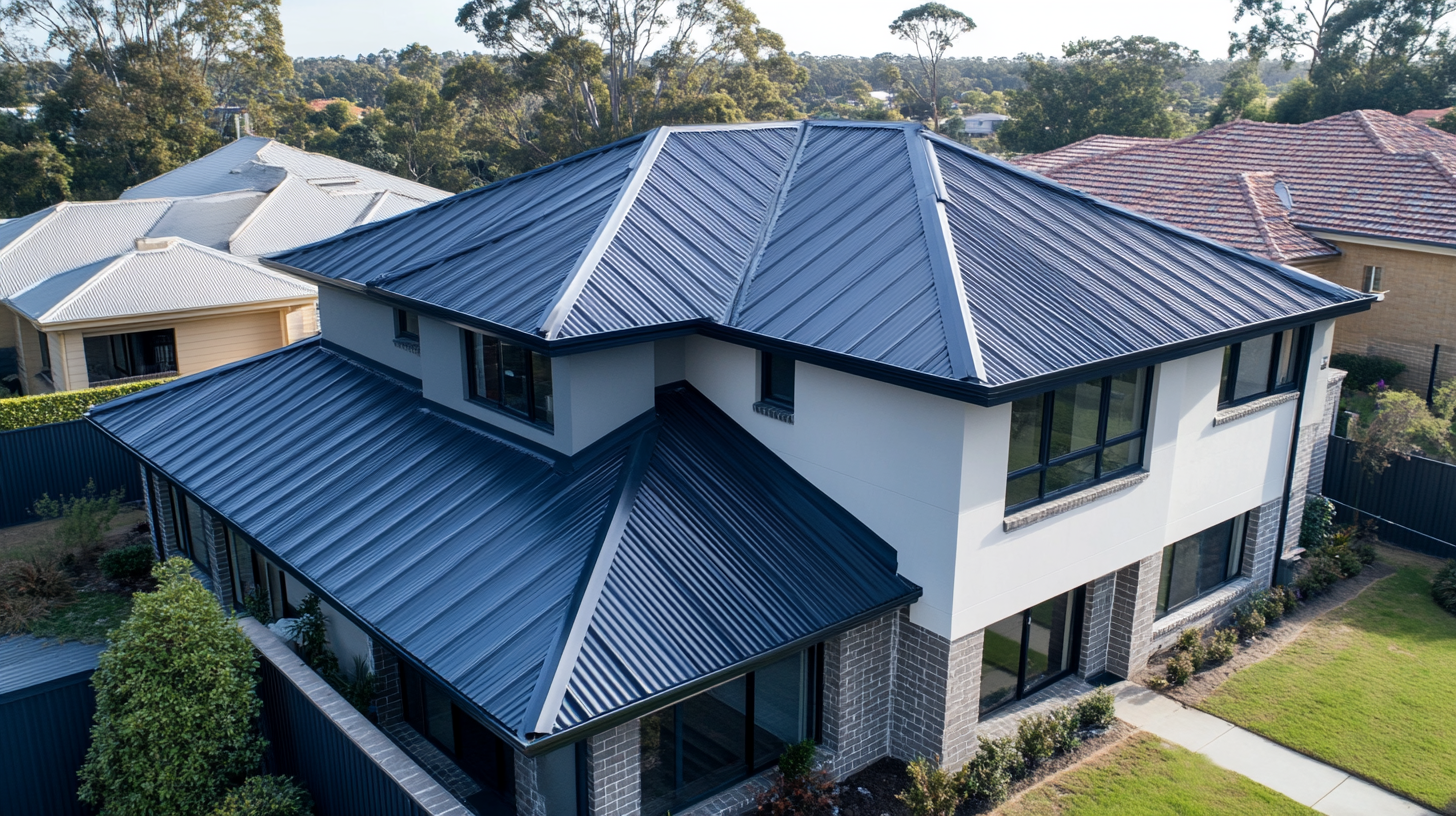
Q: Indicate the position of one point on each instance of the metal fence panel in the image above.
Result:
(43, 742)
(58, 459)
(305, 744)
(1413, 502)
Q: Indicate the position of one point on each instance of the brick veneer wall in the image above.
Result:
(962, 701)
(918, 701)
(858, 684)
(388, 696)
(169, 520)
(530, 800)
(1097, 626)
(1134, 604)
(214, 538)
(1321, 445)
(614, 771)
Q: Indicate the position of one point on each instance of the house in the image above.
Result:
(319, 104)
(1428, 114)
(1366, 199)
(165, 280)
(626, 472)
(984, 124)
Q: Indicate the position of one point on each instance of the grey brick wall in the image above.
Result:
(858, 685)
(214, 538)
(1321, 444)
(148, 503)
(529, 798)
(1097, 626)
(1134, 603)
(388, 696)
(614, 771)
(1261, 543)
(962, 700)
(922, 666)
(169, 521)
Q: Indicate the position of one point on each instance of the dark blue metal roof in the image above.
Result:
(866, 244)
(27, 663)
(533, 586)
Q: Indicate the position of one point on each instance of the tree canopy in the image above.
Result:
(932, 29)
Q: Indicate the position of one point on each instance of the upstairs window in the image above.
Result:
(1374, 279)
(510, 378)
(45, 354)
(406, 325)
(1075, 436)
(777, 385)
(1262, 366)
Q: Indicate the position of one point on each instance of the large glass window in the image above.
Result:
(1201, 563)
(188, 518)
(726, 734)
(139, 355)
(479, 753)
(1262, 366)
(1030, 649)
(1074, 436)
(510, 377)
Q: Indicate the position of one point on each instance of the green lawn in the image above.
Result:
(1367, 688)
(1148, 777)
(88, 619)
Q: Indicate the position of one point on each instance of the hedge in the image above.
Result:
(1365, 372)
(63, 406)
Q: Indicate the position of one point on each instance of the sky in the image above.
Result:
(1005, 28)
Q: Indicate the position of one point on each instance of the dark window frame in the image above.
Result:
(752, 765)
(504, 783)
(1373, 280)
(766, 390)
(1079, 609)
(1233, 353)
(401, 325)
(474, 394)
(45, 354)
(1046, 462)
(1240, 531)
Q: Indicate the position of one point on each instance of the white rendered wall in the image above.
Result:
(365, 327)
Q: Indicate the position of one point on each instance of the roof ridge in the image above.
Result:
(558, 309)
(1260, 220)
(247, 222)
(766, 227)
(955, 312)
(1439, 160)
(91, 282)
(1362, 116)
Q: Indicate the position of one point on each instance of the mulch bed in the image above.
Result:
(872, 791)
(1266, 643)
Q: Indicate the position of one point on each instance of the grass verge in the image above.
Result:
(88, 619)
(1365, 688)
(1148, 777)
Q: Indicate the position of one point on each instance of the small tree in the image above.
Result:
(933, 29)
(176, 708)
(1400, 426)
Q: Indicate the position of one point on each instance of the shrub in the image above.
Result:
(1098, 709)
(1065, 724)
(1321, 571)
(359, 691)
(63, 406)
(1365, 552)
(258, 604)
(310, 632)
(1190, 643)
(19, 612)
(266, 796)
(1225, 642)
(43, 579)
(1180, 668)
(176, 705)
(799, 789)
(1366, 371)
(1319, 521)
(1443, 587)
(1282, 598)
(130, 563)
(987, 777)
(1249, 619)
(84, 518)
(932, 791)
(1157, 683)
(1036, 739)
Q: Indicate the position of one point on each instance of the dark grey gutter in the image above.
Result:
(1392, 239)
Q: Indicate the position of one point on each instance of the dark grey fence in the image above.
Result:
(44, 734)
(1413, 501)
(305, 744)
(59, 459)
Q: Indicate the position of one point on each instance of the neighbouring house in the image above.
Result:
(1428, 114)
(1366, 199)
(165, 281)
(624, 473)
(319, 104)
(984, 124)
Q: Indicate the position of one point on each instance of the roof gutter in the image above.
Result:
(1325, 233)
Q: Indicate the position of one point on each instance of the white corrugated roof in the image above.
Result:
(71, 234)
(182, 277)
(300, 212)
(208, 220)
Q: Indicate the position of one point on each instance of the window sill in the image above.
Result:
(412, 346)
(1062, 504)
(1210, 604)
(1227, 415)
(774, 411)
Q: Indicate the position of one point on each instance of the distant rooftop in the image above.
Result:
(28, 664)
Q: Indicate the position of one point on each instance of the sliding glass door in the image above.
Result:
(1031, 649)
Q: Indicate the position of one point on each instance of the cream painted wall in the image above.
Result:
(214, 341)
(366, 327)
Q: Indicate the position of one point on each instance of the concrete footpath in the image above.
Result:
(1308, 781)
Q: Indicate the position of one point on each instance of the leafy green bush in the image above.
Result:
(1180, 668)
(1249, 619)
(1036, 739)
(266, 796)
(1320, 572)
(311, 634)
(987, 777)
(1225, 642)
(130, 563)
(359, 691)
(1366, 371)
(1318, 522)
(799, 789)
(84, 518)
(1065, 725)
(62, 406)
(258, 604)
(932, 791)
(1098, 709)
(176, 705)
(1190, 642)
(1364, 551)
(1443, 587)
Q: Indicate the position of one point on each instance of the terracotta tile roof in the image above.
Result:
(1366, 172)
(1427, 114)
(1092, 146)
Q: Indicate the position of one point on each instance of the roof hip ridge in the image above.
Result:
(1261, 221)
(955, 311)
(766, 228)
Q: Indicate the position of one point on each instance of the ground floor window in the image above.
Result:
(1201, 563)
(479, 753)
(728, 733)
(1031, 649)
(112, 357)
(190, 520)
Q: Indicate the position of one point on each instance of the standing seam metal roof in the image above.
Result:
(548, 593)
(27, 662)
(868, 241)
